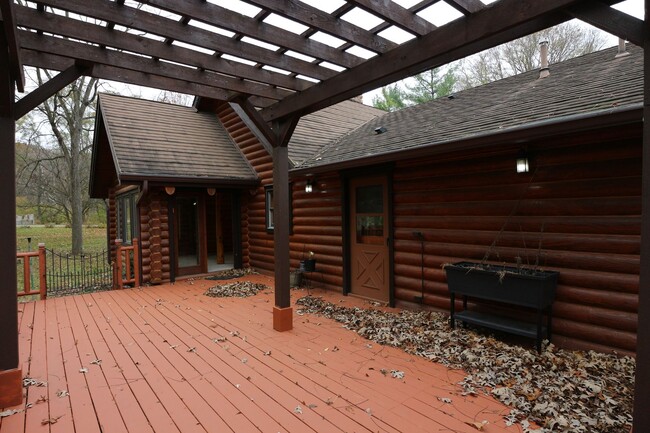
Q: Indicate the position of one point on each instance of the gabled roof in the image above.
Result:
(157, 141)
(597, 84)
(322, 127)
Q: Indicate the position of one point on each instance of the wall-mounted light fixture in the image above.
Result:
(522, 162)
(309, 187)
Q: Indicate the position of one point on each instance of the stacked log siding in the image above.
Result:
(578, 212)
(316, 222)
(155, 242)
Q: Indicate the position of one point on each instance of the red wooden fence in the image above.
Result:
(127, 264)
(27, 283)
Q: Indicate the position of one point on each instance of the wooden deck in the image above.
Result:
(157, 361)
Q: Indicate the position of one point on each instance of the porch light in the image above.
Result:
(308, 186)
(522, 162)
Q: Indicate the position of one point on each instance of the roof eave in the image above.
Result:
(184, 180)
(524, 133)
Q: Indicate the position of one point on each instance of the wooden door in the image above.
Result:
(369, 252)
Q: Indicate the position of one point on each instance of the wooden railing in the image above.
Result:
(27, 280)
(127, 264)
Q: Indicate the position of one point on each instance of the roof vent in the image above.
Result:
(452, 96)
(622, 48)
(380, 130)
(543, 50)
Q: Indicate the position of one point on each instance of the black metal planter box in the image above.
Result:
(509, 285)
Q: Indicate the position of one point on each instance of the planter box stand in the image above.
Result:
(506, 285)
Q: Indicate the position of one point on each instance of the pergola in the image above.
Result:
(271, 74)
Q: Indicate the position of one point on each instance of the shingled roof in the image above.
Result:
(596, 83)
(322, 127)
(154, 140)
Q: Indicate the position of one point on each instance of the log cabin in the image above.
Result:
(182, 180)
(542, 168)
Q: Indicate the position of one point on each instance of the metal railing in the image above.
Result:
(61, 274)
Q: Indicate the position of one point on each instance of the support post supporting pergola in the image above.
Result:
(275, 139)
(10, 374)
(282, 311)
(642, 379)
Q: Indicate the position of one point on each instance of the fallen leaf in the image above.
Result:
(477, 425)
(53, 420)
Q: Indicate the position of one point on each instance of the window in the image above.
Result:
(269, 208)
(270, 212)
(126, 217)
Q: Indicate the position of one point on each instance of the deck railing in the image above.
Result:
(27, 272)
(127, 264)
(65, 274)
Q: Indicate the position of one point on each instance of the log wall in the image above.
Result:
(316, 217)
(155, 237)
(578, 212)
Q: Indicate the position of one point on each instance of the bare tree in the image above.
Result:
(175, 98)
(62, 128)
(566, 41)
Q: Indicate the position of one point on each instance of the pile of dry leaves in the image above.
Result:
(228, 274)
(239, 289)
(562, 391)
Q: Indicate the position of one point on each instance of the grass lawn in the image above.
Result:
(59, 239)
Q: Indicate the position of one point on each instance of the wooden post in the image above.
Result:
(11, 392)
(218, 204)
(118, 264)
(27, 270)
(42, 270)
(136, 262)
(642, 379)
(282, 313)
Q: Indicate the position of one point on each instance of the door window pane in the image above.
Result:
(370, 199)
(369, 209)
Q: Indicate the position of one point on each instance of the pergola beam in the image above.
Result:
(466, 7)
(314, 17)
(157, 25)
(9, 25)
(42, 93)
(56, 24)
(618, 23)
(221, 17)
(93, 54)
(105, 72)
(396, 15)
(503, 21)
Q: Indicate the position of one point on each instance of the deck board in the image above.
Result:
(165, 368)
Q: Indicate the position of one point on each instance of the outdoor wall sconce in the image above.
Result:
(170, 190)
(522, 162)
(309, 187)
(212, 191)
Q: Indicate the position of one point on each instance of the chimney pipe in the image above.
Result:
(622, 48)
(543, 50)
